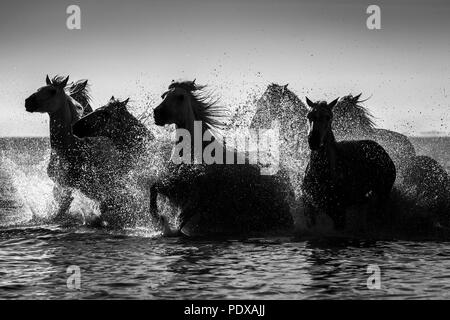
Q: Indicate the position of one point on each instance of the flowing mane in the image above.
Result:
(282, 94)
(57, 80)
(351, 117)
(292, 97)
(79, 90)
(205, 107)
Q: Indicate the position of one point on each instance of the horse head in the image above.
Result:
(176, 107)
(52, 99)
(274, 104)
(186, 102)
(319, 117)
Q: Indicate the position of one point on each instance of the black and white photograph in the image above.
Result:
(237, 150)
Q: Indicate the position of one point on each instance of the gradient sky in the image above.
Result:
(321, 48)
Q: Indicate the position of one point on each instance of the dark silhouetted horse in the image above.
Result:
(215, 198)
(63, 111)
(139, 156)
(89, 166)
(341, 174)
(115, 122)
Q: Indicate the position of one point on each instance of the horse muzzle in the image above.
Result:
(159, 118)
(30, 104)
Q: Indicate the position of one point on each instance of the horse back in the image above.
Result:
(366, 159)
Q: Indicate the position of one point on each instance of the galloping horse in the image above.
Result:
(87, 166)
(351, 122)
(279, 104)
(340, 174)
(63, 111)
(215, 198)
(130, 137)
(138, 157)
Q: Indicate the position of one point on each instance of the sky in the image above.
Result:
(322, 48)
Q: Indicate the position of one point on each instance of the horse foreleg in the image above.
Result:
(161, 221)
(154, 202)
(382, 211)
(337, 214)
(64, 198)
(310, 213)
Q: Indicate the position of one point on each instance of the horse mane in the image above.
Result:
(275, 90)
(205, 107)
(57, 80)
(349, 112)
(292, 97)
(80, 92)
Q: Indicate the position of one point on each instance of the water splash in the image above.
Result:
(29, 193)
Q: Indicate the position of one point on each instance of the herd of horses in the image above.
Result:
(333, 160)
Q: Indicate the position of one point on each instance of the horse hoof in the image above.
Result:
(99, 223)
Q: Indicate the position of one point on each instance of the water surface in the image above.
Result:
(138, 264)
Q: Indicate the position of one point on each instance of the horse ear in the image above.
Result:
(112, 98)
(48, 81)
(84, 84)
(333, 103)
(126, 102)
(64, 83)
(309, 102)
(284, 88)
(356, 99)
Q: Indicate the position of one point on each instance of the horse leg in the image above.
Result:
(64, 198)
(337, 214)
(382, 209)
(310, 214)
(160, 220)
(153, 202)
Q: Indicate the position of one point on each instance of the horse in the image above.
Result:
(280, 106)
(75, 164)
(129, 136)
(214, 198)
(345, 173)
(430, 186)
(352, 121)
(63, 111)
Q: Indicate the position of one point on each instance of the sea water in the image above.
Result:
(39, 259)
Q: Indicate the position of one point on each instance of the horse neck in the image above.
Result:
(191, 124)
(325, 158)
(62, 139)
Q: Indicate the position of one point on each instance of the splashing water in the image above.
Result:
(30, 194)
